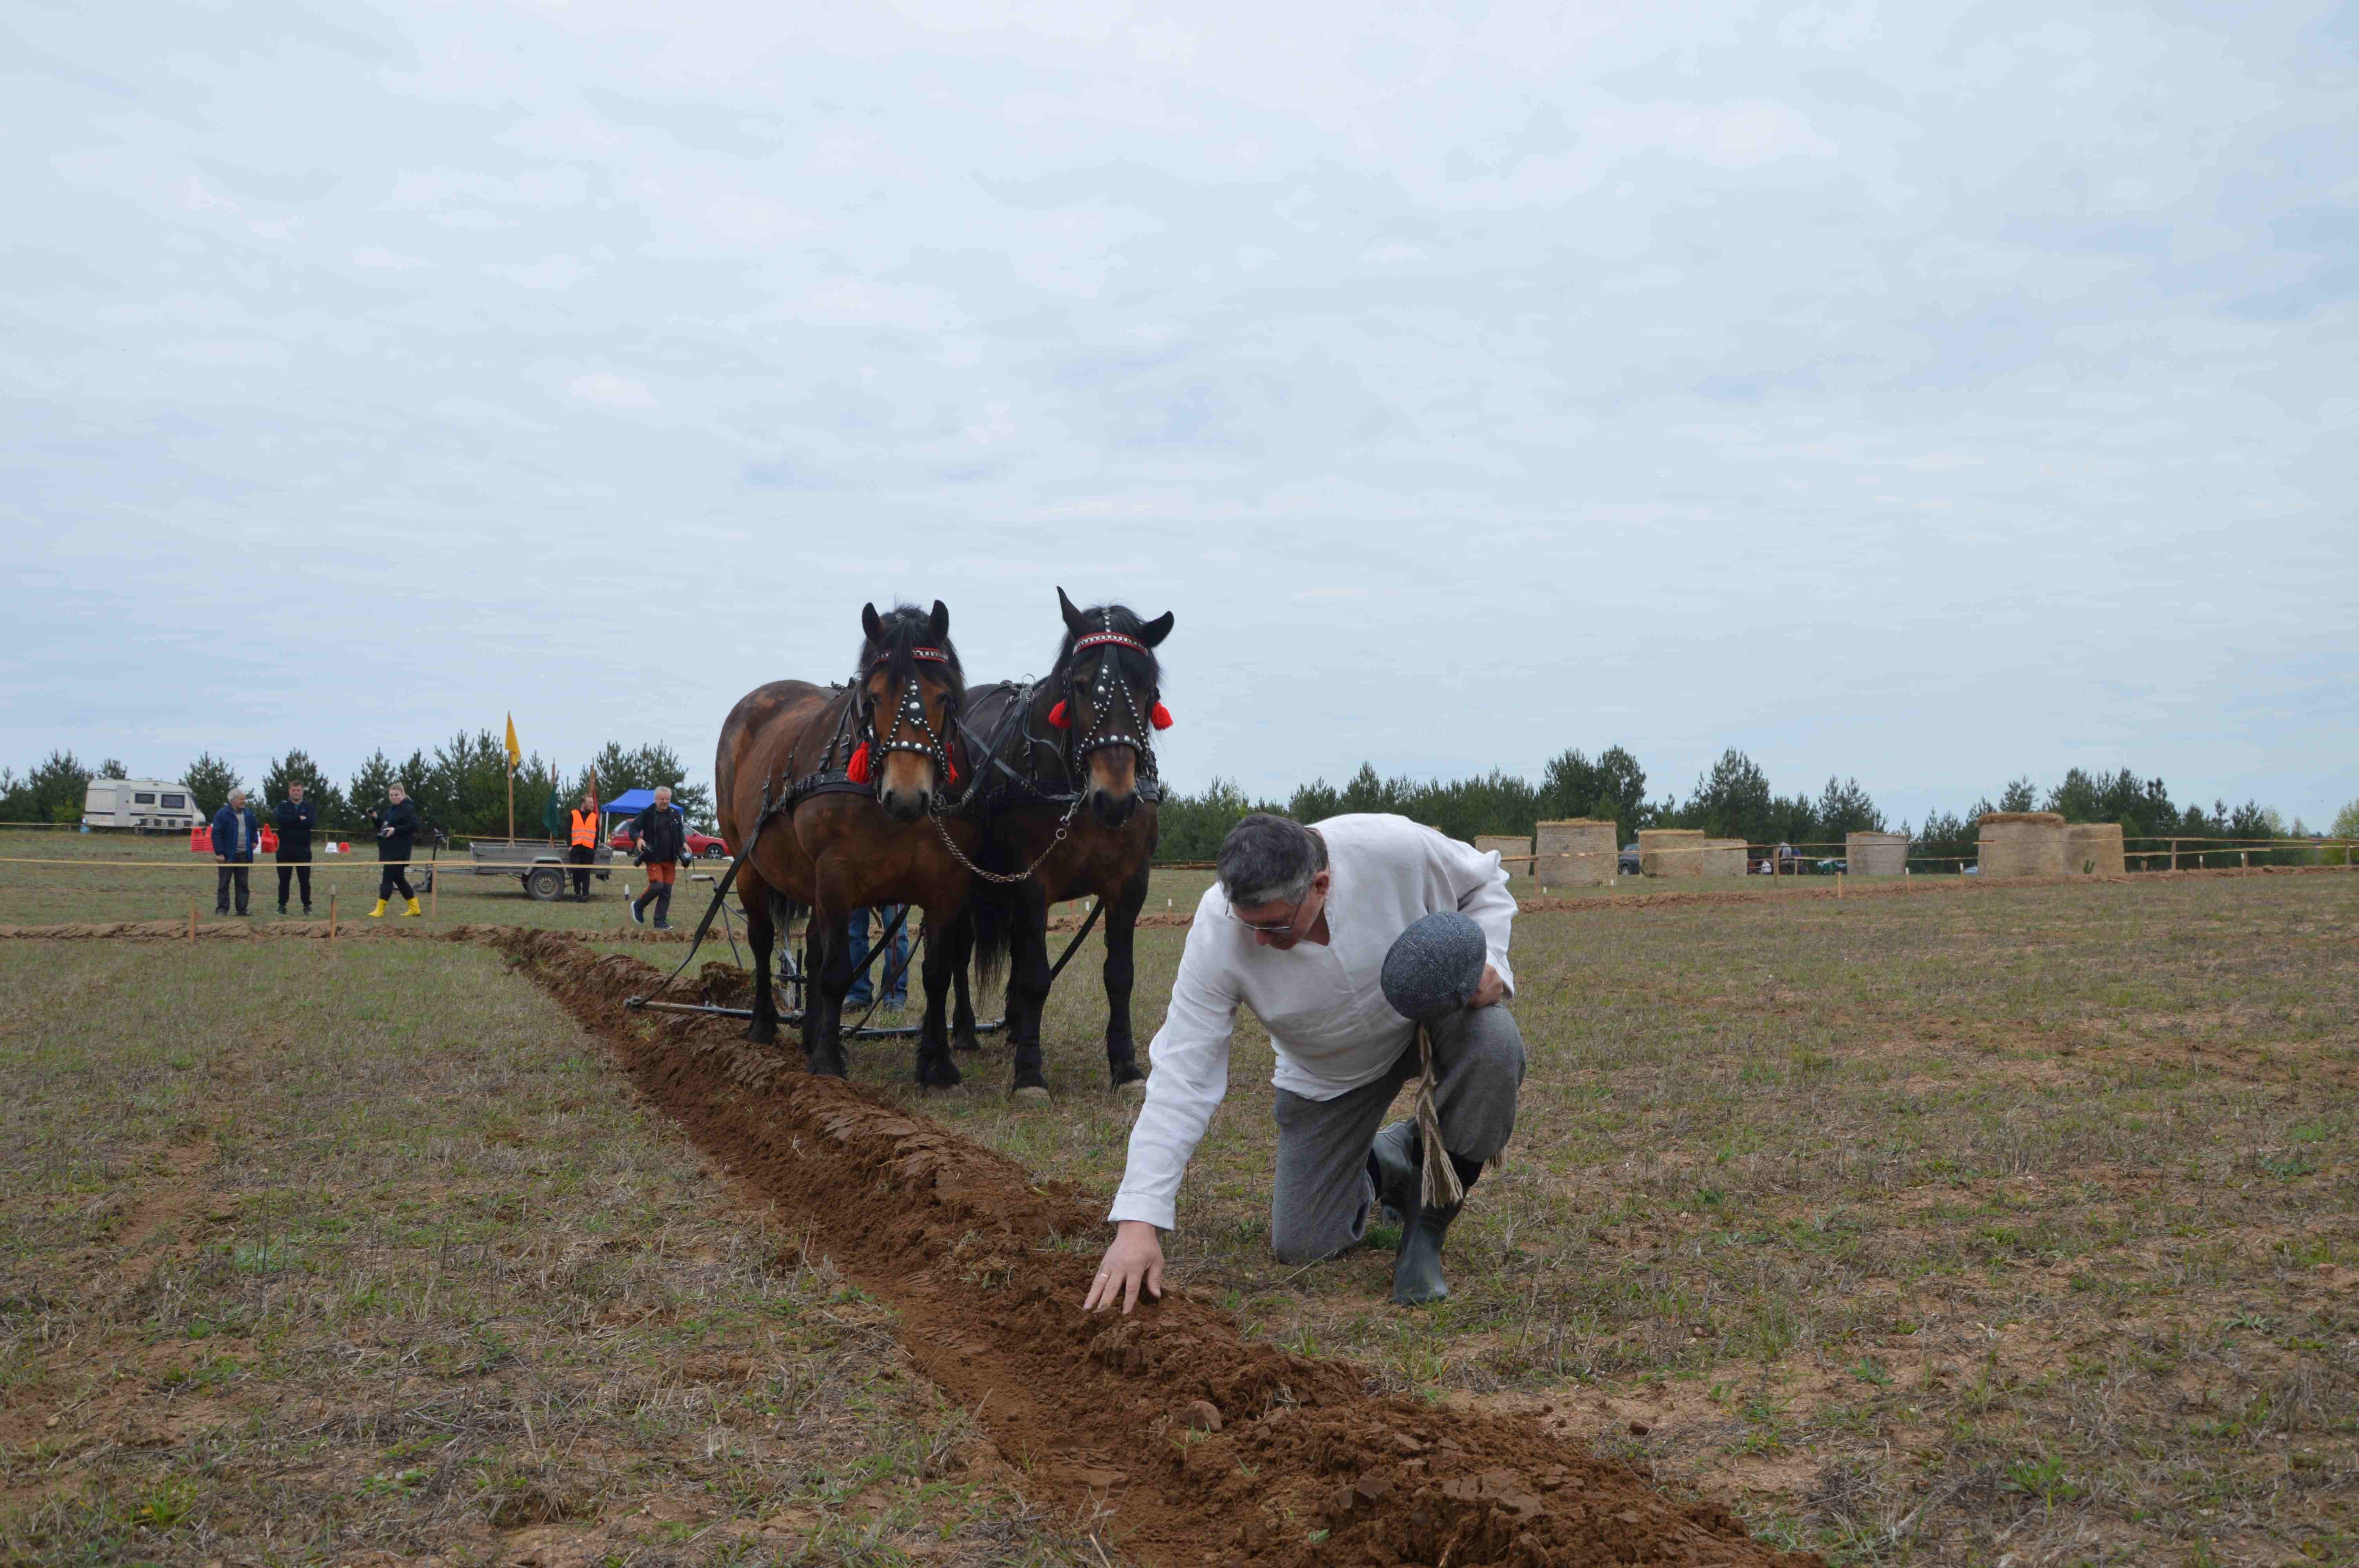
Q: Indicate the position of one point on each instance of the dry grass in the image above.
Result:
(362, 1254)
(2008, 1224)
(2004, 1224)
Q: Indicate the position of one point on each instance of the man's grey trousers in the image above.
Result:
(1323, 1196)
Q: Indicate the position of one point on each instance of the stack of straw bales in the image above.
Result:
(1875, 854)
(1578, 853)
(1724, 857)
(1670, 851)
(1507, 846)
(2094, 849)
(2022, 844)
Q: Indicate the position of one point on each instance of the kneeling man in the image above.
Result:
(1299, 926)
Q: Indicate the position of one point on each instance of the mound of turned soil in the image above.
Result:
(1185, 1443)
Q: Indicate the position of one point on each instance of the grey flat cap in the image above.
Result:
(1434, 966)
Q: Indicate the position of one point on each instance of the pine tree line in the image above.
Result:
(460, 787)
(1732, 800)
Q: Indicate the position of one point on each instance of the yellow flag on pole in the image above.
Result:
(515, 752)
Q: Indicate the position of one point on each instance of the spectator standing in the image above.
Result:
(294, 818)
(892, 967)
(236, 831)
(396, 831)
(660, 834)
(581, 848)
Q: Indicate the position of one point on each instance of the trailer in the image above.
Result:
(541, 866)
(144, 805)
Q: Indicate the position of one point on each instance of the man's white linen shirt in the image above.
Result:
(1327, 1017)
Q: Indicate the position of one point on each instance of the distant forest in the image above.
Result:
(1735, 800)
(462, 786)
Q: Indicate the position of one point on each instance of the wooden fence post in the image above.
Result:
(192, 922)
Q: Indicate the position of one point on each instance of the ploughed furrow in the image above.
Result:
(1186, 1442)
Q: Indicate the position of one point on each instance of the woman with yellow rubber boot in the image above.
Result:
(397, 828)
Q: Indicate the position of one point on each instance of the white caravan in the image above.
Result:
(151, 805)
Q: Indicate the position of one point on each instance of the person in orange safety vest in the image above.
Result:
(583, 848)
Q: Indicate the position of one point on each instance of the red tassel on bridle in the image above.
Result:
(1057, 718)
(1160, 717)
(857, 768)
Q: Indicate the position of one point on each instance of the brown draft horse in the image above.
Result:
(828, 793)
(1068, 789)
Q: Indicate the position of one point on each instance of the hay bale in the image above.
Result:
(1670, 852)
(2094, 849)
(1875, 854)
(1576, 852)
(1724, 857)
(1507, 846)
(2021, 844)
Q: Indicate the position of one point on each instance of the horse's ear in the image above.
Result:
(1155, 630)
(940, 626)
(1073, 616)
(871, 624)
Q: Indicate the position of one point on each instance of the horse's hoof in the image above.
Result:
(1037, 1093)
(940, 1072)
(821, 1068)
(966, 1042)
(1132, 1089)
(761, 1037)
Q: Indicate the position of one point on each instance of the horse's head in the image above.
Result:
(1109, 696)
(910, 690)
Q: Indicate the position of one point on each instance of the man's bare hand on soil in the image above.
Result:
(1134, 1260)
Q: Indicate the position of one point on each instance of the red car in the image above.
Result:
(703, 846)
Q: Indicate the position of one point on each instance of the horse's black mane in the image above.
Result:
(906, 627)
(1144, 671)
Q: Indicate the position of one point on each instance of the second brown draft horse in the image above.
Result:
(1070, 791)
(832, 796)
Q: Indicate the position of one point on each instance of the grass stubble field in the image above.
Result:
(1971, 1226)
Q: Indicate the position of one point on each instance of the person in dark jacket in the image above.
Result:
(396, 830)
(660, 834)
(236, 832)
(295, 817)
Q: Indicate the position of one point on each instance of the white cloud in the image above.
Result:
(751, 218)
(376, 258)
(558, 272)
(618, 391)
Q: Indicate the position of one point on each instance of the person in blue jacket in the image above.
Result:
(236, 832)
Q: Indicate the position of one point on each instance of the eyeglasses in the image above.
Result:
(1270, 928)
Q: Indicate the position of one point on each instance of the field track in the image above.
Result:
(1104, 1416)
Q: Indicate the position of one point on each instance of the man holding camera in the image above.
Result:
(660, 834)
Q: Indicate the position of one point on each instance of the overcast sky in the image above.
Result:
(1930, 393)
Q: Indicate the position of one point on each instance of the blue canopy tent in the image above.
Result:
(631, 802)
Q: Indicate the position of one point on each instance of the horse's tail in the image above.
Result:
(785, 911)
(994, 930)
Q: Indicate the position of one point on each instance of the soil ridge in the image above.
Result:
(1295, 1463)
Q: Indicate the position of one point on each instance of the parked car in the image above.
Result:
(1627, 864)
(703, 846)
(1838, 863)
